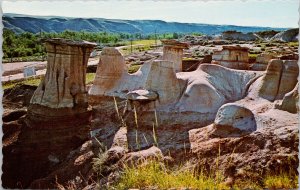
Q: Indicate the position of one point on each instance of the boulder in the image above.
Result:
(290, 101)
(234, 119)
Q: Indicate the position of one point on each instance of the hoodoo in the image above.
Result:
(63, 90)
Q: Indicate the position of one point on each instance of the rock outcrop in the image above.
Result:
(287, 36)
(262, 61)
(177, 94)
(62, 92)
(158, 76)
(234, 57)
(173, 52)
(234, 35)
(290, 101)
(280, 78)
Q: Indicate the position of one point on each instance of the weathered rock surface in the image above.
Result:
(157, 76)
(271, 80)
(262, 61)
(215, 85)
(142, 95)
(234, 35)
(173, 52)
(64, 84)
(235, 116)
(234, 57)
(288, 78)
(290, 101)
(287, 36)
(280, 78)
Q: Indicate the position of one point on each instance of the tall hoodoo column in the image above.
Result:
(173, 52)
(63, 90)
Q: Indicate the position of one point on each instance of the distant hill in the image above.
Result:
(27, 23)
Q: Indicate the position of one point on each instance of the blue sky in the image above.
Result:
(273, 13)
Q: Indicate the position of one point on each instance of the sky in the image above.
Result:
(272, 13)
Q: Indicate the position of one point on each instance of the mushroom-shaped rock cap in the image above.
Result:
(175, 44)
(61, 41)
(236, 116)
(142, 95)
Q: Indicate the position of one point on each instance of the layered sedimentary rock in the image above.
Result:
(290, 101)
(63, 91)
(57, 120)
(234, 57)
(289, 75)
(262, 61)
(271, 80)
(112, 78)
(279, 79)
(110, 71)
(173, 52)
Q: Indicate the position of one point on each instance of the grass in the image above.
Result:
(29, 81)
(35, 81)
(281, 181)
(293, 44)
(139, 46)
(90, 77)
(133, 68)
(145, 42)
(155, 175)
(252, 55)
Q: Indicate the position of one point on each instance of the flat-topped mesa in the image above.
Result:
(234, 57)
(173, 51)
(62, 92)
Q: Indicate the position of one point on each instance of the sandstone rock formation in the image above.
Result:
(173, 52)
(63, 87)
(262, 61)
(234, 57)
(290, 101)
(235, 120)
(234, 35)
(288, 80)
(158, 76)
(179, 92)
(280, 78)
(290, 35)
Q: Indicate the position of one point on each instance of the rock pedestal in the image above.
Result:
(173, 52)
(234, 57)
(63, 91)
